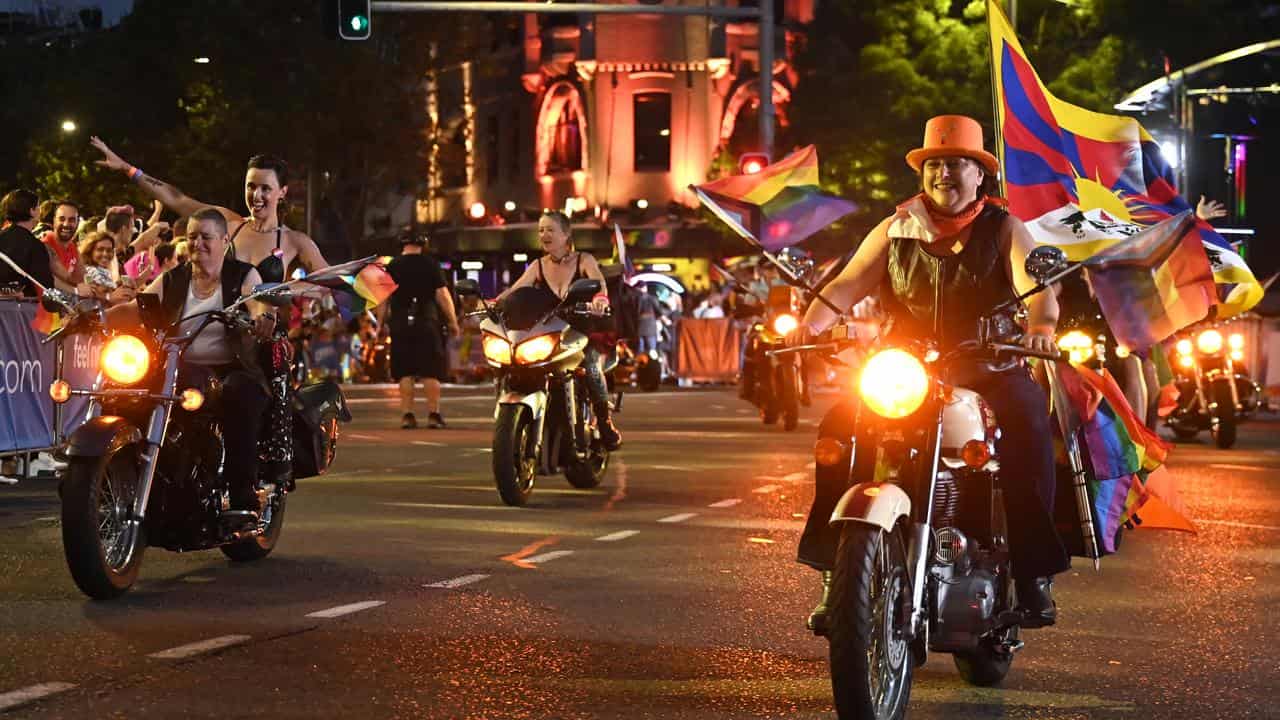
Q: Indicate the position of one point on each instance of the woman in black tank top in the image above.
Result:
(553, 273)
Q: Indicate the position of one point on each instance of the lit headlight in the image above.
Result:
(496, 349)
(125, 359)
(1122, 352)
(784, 324)
(536, 349)
(894, 383)
(1209, 342)
(1235, 341)
(1184, 347)
(1078, 345)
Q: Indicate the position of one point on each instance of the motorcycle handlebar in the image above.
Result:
(1057, 355)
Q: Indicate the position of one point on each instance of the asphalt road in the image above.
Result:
(669, 592)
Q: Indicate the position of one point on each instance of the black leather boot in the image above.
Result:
(1035, 601)
(818, 622)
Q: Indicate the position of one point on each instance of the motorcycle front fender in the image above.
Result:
(535, 401)
(102, 436)
(878, 504)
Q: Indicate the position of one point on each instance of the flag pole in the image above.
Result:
(995, 97)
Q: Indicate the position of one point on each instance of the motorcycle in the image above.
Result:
(544, 423)
(923, 561)
(145, 467)
(1215, 392)
(774, 383)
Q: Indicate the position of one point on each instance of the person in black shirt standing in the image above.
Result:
(22, 247)
(418, 306)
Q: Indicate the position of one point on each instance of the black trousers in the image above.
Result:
(242, 409)
(1025, 449)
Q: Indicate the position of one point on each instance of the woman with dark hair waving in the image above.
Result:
(554, 272)
(262, 240)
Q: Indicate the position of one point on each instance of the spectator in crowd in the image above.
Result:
(44, 218)
(650, 315)
(63, 246)
(166, 257)
(97, 257)
(712, 307)
(19, 244)
(421, 303)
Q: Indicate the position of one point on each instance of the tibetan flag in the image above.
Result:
(777, 207)
(1153, 284)
(1083, 180)
(367, 278)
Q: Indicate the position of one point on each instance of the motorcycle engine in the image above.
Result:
(965, 599)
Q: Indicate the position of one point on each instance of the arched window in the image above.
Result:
(562, 128)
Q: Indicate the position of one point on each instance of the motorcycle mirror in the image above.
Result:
(1044, 262)
(467, 287)
(582, 290)
(276, 294)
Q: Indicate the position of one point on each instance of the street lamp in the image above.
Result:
(68, 126)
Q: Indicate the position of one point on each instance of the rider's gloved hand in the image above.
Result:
(1040, 339)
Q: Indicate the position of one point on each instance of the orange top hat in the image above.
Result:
(952, 136)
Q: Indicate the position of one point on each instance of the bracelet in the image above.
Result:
(601, 296)
(133, 173)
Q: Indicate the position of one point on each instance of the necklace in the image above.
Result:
(560, 260)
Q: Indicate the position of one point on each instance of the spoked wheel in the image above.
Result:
(588, 473)
(871, 663)
(103, 546)
(514, 463)
(260, 546)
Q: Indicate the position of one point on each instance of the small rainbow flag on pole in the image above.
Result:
(367, 277)
(777, 207)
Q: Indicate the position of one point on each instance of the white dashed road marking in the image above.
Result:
(457, 582)
(547, 556)
(620, 535)
(765, 489)
(677, 518)
(725, 503)
(341, 610)
(204, 646)
(22, 696)
(361, 436)
(1227, 466)
(428, 443)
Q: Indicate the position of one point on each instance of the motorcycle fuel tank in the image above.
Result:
(966, 416)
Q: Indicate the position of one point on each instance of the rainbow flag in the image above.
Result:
(1153, 284)
(1083, 180)
(367, 277)
(1123, 453)
(777, 207)
(45, 322)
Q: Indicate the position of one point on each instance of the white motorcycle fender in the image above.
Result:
(878, 504)
(535, 401)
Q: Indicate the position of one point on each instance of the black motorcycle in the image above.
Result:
(145, 468)
(775, 384)
(1215, 392)
(544, 424)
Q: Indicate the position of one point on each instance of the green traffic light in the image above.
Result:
(359, 23)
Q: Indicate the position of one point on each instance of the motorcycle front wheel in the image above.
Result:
(871, 662)
(514, 466)
(102, 546)
(789, 397)
(1224, 430)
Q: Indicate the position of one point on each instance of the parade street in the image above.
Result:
(403, 587)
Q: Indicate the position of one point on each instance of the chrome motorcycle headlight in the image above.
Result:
(785, 324)
(125, 359)
(535, 350)
(496, 349)
(1078, 345)
(1209, 342)
(894, 383)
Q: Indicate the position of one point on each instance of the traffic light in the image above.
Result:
(353, 19)
(752, 163)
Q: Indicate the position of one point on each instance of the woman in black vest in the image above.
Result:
(957, 234)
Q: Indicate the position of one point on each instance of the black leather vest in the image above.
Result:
(973, 282)
(176, 284)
